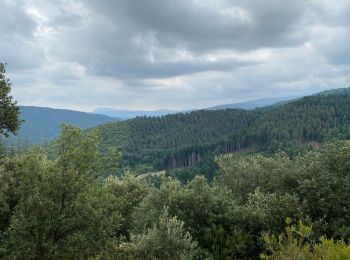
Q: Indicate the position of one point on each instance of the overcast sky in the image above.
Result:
(150, 54)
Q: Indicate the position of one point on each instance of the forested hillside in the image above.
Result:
(310, 119)
(43, 124)
(181, 140)
(151, 139)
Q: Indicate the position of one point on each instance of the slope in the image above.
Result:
(151, 139)
(181, 140)
(43, 124)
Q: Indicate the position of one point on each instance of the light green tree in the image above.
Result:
(9, 111)
(295, 243)
(168, 239)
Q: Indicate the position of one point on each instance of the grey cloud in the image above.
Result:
(14, 21)
(340, 54)
(234, 24)
(106, 46)
(113, 53)
(159, 53)
(17, 44)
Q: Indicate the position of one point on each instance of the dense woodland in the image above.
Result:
(154, 140)
(76, 199)
(182, 140)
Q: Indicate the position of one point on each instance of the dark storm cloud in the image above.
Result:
(157, 53)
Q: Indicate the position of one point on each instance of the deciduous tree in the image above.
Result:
(9, 111)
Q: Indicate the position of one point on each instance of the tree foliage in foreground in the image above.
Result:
(295, 243)
(75, 207)
(9, 111)
(166, 240)
(56, 209)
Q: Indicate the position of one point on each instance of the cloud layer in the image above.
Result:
(172, 54)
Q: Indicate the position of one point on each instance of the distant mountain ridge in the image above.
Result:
(43, 124)
(252, 104)
(127, 114)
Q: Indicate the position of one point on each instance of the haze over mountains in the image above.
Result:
(251, 104)
(127, 114)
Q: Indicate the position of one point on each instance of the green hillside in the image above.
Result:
(181, 140)
(311, 119)
(151, 139)
(43, 124)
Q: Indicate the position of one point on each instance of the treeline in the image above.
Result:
(74, 207)
(181, 140)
